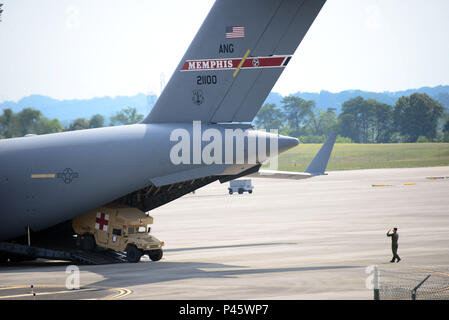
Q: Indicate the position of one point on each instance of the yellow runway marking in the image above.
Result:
(121, 292)
(382, 185)
(46, 293)
(241, 63)
(14, 287)
(427, 292)
(437, 272)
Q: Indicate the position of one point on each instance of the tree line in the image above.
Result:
(414, 118)
(31, 121)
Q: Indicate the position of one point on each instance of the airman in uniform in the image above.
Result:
(394, 244)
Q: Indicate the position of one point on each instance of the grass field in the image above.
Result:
(369, 156)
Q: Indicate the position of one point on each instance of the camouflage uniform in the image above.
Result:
(394, 245)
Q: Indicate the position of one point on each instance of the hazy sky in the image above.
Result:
(85, 48)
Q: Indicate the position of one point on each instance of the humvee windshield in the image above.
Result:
(138, 229)
(141, 229)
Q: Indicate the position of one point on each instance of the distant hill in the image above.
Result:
(68, 110)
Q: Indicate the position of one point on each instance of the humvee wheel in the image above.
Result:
(133, 254)
(250, 191)
(240, 191)
(88, 242)
(155, 255)
(231, 192)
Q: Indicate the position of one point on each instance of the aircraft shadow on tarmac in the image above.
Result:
(232, 246)
(152, 273)
(13, 266)
(125, 275)
(146, 272)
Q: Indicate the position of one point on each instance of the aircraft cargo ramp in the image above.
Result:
(99, 256)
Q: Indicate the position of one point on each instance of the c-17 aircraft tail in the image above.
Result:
(234, 61)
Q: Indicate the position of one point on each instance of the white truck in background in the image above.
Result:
(240, 186)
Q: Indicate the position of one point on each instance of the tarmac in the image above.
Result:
(307, 239)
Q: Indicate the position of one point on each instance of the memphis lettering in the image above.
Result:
(208, 64)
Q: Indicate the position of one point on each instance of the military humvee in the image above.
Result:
(119, 228)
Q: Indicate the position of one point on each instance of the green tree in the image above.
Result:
(446, 126)
(79, 124)
(269, 117)
(341, 139)
(366, 121)
(126, 116)
(298, 112)
(323, 122)
(417, 115)
(6, 123)
(356, 118)
(348, 127)
(312, 139)
(383, 124)
(49, 126)
(28, 121)
(422, 139)
(97, 121)
(445, 129)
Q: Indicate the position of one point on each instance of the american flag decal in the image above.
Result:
(235, 32)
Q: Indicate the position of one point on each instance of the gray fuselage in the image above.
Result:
(48, 179)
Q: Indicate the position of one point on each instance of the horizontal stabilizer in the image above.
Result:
(315, 168)
(275, 174)
(319, 163)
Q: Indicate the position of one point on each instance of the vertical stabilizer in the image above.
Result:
(319, 163)
(234, 60)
